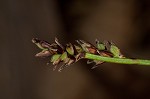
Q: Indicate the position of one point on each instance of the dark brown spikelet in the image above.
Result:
(71, 53)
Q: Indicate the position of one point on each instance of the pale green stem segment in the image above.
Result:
(117, 60)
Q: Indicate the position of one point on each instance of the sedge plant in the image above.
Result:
(71, 53)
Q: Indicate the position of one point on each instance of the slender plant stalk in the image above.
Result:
(117, 60)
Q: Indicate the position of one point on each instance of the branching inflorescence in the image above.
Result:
(71, 53)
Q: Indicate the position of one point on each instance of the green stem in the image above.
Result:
(117, 60)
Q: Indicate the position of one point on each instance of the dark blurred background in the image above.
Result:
(22, 76)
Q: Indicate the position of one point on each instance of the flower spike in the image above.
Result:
(71, 53)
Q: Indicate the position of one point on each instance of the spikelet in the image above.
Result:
(71, 53)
